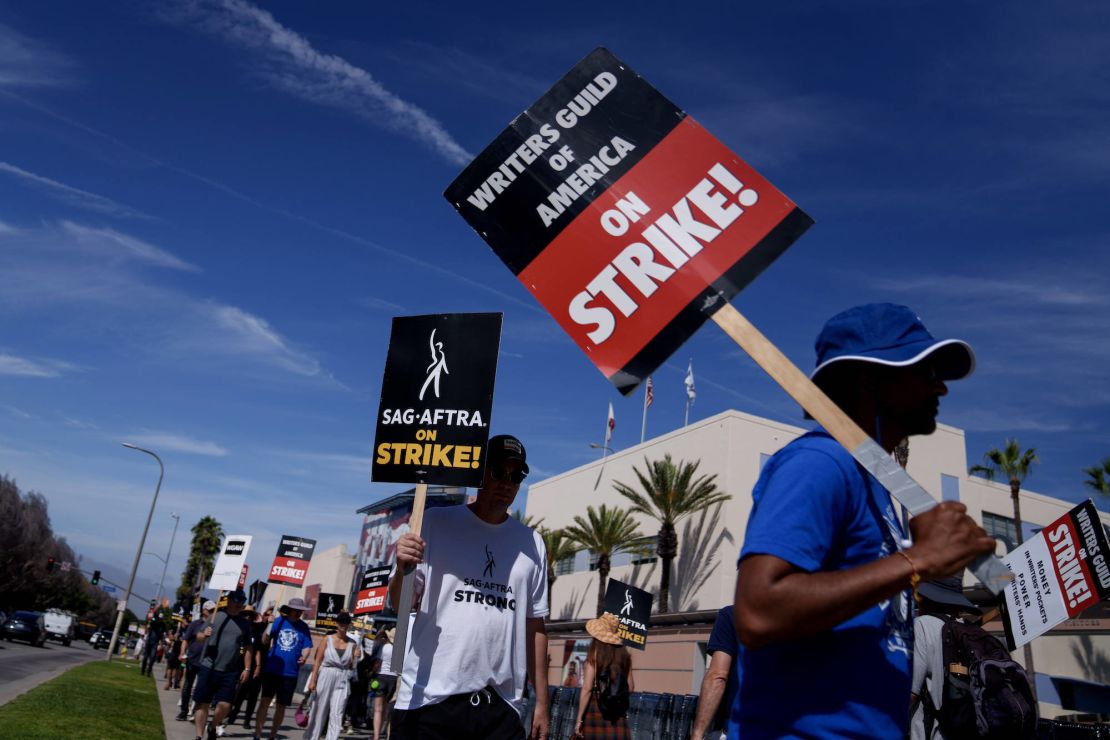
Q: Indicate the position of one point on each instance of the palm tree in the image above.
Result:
(605, 532)
(559, 547)
(207, 534)
(1099, 477)
(667, 493)
(1016, 466)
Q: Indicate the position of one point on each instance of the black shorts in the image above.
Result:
(215, 686)
(386, 684)
(482, 715)
(282, 686)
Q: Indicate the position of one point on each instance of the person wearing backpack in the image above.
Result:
(606, 684)
(964, 683)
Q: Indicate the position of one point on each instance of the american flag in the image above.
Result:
(611, 424)
(649, 398)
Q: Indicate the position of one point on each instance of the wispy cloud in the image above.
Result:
(252, 335)
(25, 62)
(124, 246)
(1044, 292)
(6, 229)
(380, 304)
(73, 196)
(33, 368)
(178, 443)
(290, 63)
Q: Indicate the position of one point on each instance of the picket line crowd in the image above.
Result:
(843, 624)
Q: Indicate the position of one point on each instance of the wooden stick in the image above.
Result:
(416, 521)
(988, 569)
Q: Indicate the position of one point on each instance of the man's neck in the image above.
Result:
(487, 513)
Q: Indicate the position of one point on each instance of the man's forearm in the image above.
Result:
(538, 662)
(395, 589)
(712, 689)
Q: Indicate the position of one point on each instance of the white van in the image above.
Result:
(59, 626)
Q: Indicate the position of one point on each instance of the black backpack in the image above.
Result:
(611, 690)
(986, 694)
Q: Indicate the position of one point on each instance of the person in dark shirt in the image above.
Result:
(718, 686)
(226, 662)
(248, 692)
(191, 647)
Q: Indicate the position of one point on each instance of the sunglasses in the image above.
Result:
(513, 476)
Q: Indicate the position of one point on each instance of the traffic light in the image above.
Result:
(49, 564)
(96, 578)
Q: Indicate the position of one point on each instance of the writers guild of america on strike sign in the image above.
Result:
(624, 217)
(437, 394)
(290, 565)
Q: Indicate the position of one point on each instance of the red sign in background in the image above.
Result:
(288, 570)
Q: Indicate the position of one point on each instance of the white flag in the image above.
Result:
(691, 394)
(612, 422)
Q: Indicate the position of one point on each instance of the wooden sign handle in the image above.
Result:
(988, 568)
(416, 521)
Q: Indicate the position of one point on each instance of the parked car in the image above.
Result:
(26, 626)
(59, 626)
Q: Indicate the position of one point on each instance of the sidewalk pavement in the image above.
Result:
(187, 730)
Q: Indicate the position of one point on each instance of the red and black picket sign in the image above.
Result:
(624, 217)
(290, 565)
(372, 591)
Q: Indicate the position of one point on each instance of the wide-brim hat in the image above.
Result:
(604, 628)
(946, 591)
(891, 335)
(504, 447)
(296, 603)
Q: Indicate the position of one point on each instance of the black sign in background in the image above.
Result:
(325, 616)
(375, 578)
(632, 606)
(641, 114)
(297, 548)
(468, 343)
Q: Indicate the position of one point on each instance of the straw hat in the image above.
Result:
(604, 628)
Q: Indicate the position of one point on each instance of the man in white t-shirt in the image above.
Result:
(479, 634)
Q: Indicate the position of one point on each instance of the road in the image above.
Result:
(23, 667)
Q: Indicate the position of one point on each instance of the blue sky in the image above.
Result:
(209, 212)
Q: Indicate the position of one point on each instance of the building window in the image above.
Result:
(949, 487)
(1001, 528)
(647, 557)
(594, 557)
(565, 566)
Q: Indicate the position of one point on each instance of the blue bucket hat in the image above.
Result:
(892, 335)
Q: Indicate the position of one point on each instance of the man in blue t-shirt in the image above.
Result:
(718, 687)
(285, 647)
(823, 604)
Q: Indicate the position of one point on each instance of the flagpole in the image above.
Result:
(686, 421)
(643, 424)
(605, 444)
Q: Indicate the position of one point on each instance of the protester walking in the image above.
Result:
(479, 633)
(191, 651)
(606, 684)
(173, 659)
(226, 661)
(384, 682)
(824, 594)
(248, 692)
(719, 685)
(286, 645)
(335, 657)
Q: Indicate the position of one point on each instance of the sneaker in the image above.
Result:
(212, 735)
(181, 717)
(220, 730)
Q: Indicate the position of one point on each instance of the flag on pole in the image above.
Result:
(691, 394)
(649, 398)
(610, 424)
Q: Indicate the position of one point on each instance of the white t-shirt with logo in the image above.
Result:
(481, 582)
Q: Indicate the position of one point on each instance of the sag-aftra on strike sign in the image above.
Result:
(626, 219)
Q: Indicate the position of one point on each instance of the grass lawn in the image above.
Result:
(95, 701)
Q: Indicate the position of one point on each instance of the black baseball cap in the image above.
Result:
(504, 447)
(237, 596)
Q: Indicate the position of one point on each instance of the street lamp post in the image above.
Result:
(166, 562)
(139, 551)
(604, 448)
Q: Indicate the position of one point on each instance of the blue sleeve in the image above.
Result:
(723, 637)
(800, 501)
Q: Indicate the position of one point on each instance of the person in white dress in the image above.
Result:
(335, 656)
